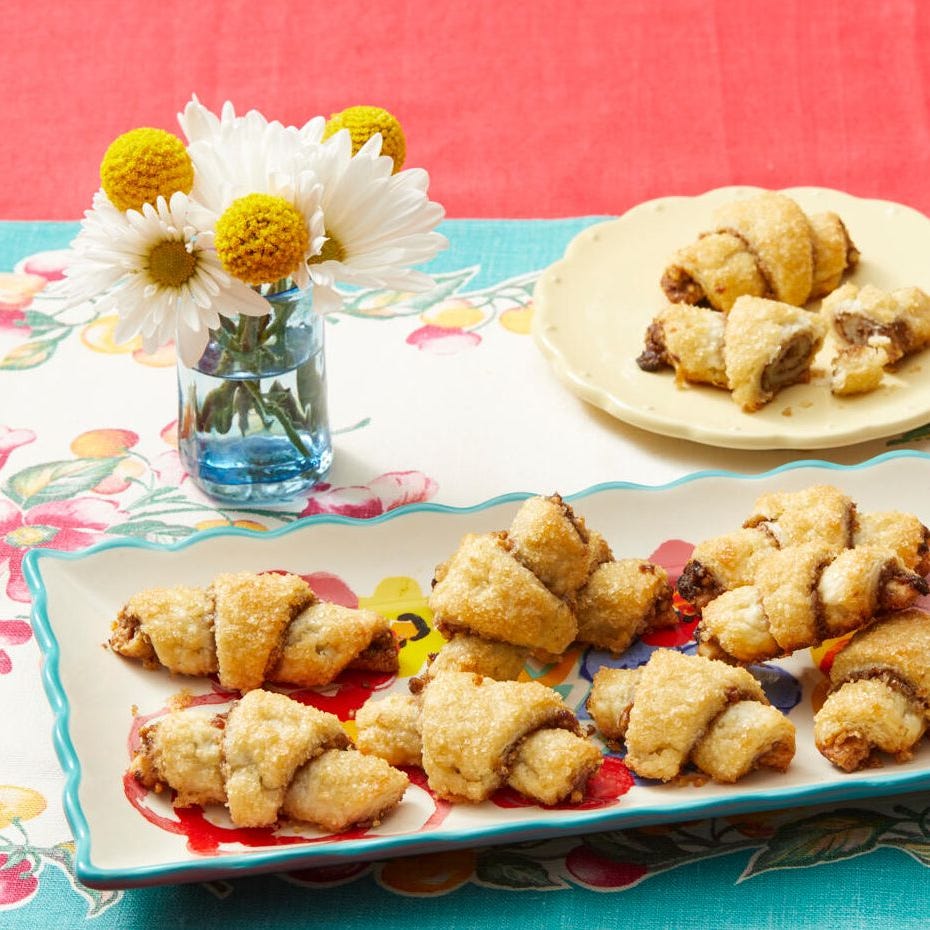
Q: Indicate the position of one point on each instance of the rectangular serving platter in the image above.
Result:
(388, 562)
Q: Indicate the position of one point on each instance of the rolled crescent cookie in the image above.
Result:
(268, 758)
(679, 710)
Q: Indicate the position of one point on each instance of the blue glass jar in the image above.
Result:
(253, 426)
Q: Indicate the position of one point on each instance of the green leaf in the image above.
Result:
(146, 528)
(446, 285)
(56, 481)
(62, 856)
(28, 355)
(913, 435)
(916, 847)
(502, 869)
(39, 322)
(653, 849)
(826, 837)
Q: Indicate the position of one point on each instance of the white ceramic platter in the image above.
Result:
(125, 837)
(593, 307)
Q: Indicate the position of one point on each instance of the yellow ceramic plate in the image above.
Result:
(593, 307)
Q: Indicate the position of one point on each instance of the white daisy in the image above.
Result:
(235, 156)
(158, 272)
(377, 224)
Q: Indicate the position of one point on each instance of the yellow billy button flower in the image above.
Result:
(261, 238)
(144, 164)
(363, 123)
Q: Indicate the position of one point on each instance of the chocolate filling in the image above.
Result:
(654, 356)
(791, 365)
(680, 287)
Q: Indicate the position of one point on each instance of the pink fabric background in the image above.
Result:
(542, 108)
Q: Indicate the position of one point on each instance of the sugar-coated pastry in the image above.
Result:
(473, 734)
(389, 726)
(690, 340)
(880, 694)
(553, 542)
(622, 600)
(779, 236)
(820, 513)
(769, 345)
(803, 595)
(269, 757)
(834, 253)
(538, 586)
(722, 563)
(467, 653)
(249, 628)
(897, 321)
(678, 710)
(473, 728)
(761, 246)
(484, 590)
(715, 269)
(901, 532)
(858, 369)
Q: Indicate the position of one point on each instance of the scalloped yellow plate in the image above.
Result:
(594, 304)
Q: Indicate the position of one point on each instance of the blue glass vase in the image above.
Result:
(253, 426)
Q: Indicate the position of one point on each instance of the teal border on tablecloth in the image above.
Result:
(495, 247)
(289, 858)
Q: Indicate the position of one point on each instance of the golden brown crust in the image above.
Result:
(269, 756)
(266, 739)
(865, 717)
(778, 234)
(678, 709)
(769, 345)
(716, 268)
(611, 699)
(250, 628)
(472, 728)
(803, 595)
(722, 563)
(479, 578)
(762, 246)
(858, 370)
(324, 639)
(172, 627)
(622, 600)
(818, 514)
(251, 614)
(903, 533)
(342, 789)
(747, 735)
(899, 642)
(467, 653)
(389, 727)
(692, 340)
(554, 544)
(897, 321)
(834, 252)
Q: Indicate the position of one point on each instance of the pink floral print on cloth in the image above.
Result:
(384, 493)
(68, 525)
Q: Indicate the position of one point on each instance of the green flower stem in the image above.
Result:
(268, 409)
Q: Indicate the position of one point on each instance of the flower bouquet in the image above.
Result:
(232, 246)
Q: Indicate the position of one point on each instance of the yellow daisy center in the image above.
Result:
(363, 123)
(170, 264)
(333, 251)
(261, 238)
(144, 164)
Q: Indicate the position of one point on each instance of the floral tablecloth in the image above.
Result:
(446, 399)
